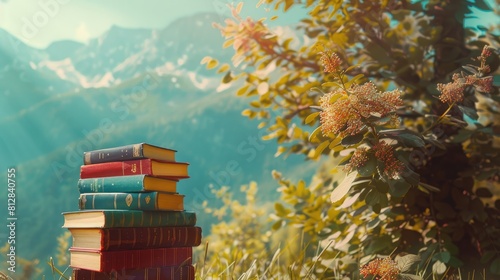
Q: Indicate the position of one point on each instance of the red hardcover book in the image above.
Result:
(177, 170)
(135, 238)
(107, 261)
(185, 272)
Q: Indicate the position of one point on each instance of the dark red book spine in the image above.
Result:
(117, 168)
(141, 238)
(186, 272)
(138, 259)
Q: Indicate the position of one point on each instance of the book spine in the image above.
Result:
(119, 168)
(147, 201)
(185, 272)
(151, 237)
(133, 183)
(137, 259)
(149, 218)
(114, 154)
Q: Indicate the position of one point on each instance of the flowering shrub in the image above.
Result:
(398, 113)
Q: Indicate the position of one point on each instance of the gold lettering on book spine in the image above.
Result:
(83, 200)
(128, 200)
(133, 168)
(136, 150)
(87, 158)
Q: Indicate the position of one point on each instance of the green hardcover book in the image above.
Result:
(132, 183)
(132, 201)
(127, 218)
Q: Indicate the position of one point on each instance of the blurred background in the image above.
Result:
(84, 75)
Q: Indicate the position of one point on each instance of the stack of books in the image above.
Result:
(132, 222)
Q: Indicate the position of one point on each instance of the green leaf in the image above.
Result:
(311, 117)
(471, 113)
(335, 97)
(335, 142)
(396, 132)
(354, 80)
(472, 69)
(398, 188)
(351, 68)
(352, 139)
(404, 263)
(369, 167)
(495, 266)
(288, 4)
(224, 67)
(331, 84)
(227, 78)
(375, 197)
(436, 143)
(247, 113)
(242, 90)
(382, 186)
(405, 136)
(277, 225)
(482, 5)
(320, 149)
(429, 187)
(484, 192)
(212, 64)
(345, 159)
(442, 256)
(281, 211)
(313, 136)
(405, 276)
(227, 43)
(411, 177)
(379, 54)
(410, 140)
(284, 79)
(343, 188)
(487, 257)
(378, 244)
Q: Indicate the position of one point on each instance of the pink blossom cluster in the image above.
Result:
(381, 268)
(348, 113)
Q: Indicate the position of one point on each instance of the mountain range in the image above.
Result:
(126, 86)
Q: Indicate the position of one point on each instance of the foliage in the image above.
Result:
(407, 108)
(238, 243)
(27, 269)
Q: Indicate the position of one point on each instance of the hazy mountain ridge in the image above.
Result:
(127, 86)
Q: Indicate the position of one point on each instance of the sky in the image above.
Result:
(40, 22)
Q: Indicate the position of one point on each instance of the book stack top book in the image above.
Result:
(131, 218)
